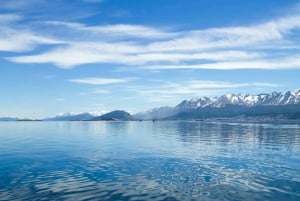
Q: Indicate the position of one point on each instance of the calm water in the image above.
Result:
(149, 161)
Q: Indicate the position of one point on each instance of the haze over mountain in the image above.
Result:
(8, 119)
(72, 117)
(285, 104)
(87, 116)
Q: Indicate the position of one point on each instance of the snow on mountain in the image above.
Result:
(275, 98)
(194, 103)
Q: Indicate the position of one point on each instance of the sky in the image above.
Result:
(77, 56)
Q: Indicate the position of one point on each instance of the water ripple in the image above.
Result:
(149, 161)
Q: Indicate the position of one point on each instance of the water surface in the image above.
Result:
(168, 160)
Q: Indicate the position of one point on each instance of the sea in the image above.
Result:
(144, 160)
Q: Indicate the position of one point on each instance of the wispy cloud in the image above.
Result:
(16, 41)
(98, 81)
(117, 30)
(14, 38)
(174, 91)
(78, 54)
(229, 37)
(239, 47)
(267, 64)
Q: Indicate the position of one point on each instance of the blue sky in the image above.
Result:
(99, 55)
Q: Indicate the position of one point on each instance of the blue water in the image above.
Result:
(149, 161)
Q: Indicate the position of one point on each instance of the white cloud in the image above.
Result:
(69, 57)
(80, 53)
(199, 84)
(98, 81)
(240, 47)
(117, 30)
(19, 41)
(177, 57)
(14, 38)
(65, 58)
(172, 90)
(229, 37)
(271, 64)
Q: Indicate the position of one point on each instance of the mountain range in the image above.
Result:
(230, 105)
(110, 116)
(72, 117)
(275, 104)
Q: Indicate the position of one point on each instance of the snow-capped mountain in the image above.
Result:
(271, 99)
(275, 98)
(194, 103)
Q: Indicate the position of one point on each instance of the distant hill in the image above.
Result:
(114, 115)
(72, 117)
(8, 119)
